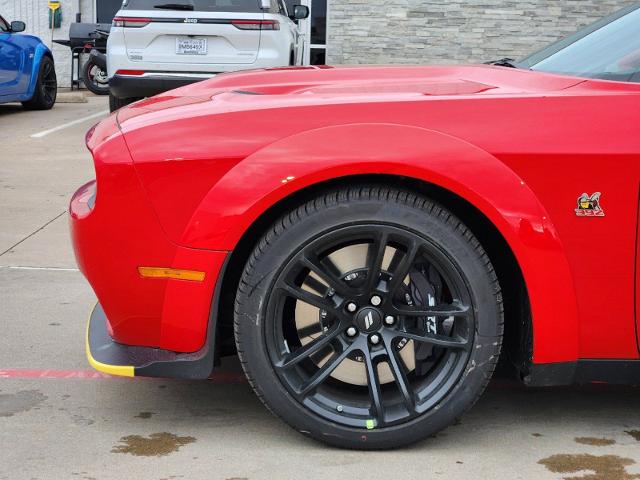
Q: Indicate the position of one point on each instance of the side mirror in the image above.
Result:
(300, 12)
(17, 26)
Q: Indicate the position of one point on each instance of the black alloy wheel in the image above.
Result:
(44, 96)
(49, 84)
(364, 330)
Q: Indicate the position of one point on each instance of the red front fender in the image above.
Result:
(267, 176)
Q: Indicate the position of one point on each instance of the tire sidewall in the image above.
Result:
(429, 221)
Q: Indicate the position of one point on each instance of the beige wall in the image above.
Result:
(35, 14)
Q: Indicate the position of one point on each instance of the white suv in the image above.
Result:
(157, 45)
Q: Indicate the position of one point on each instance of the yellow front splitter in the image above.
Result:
(98, 342)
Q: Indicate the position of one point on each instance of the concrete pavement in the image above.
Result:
(60, 421)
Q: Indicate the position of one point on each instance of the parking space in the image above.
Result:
(59, 420)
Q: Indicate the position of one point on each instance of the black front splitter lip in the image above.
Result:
(108, 356)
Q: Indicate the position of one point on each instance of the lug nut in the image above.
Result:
(374, 339)
(376, 300)
(389, 320)
(352, 332)
(351, 307)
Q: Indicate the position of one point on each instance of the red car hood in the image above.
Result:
(257, 89)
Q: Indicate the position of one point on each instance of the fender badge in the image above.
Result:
(589, 206)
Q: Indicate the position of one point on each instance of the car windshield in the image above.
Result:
(608, 49)
(4, 26)
(251, 6)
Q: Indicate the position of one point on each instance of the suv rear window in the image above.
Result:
(251, 6)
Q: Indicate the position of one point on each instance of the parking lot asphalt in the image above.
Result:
(59, 420)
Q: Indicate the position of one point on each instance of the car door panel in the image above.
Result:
(12, 63)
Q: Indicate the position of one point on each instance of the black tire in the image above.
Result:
(116, 103)
(472, 346)
(94, 78)
(44, 96)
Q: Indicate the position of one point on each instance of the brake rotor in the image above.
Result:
(310, 321)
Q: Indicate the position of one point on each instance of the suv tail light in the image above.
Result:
(131, 22)
(256, 24)
(130, 72)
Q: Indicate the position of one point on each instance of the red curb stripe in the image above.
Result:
(218, 377)
(57, 374)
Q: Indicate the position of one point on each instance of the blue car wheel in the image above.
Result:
(44, 96)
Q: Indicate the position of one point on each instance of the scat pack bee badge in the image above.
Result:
(589, 206)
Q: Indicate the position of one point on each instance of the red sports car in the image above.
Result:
(370, 240)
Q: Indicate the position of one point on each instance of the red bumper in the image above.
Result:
(114, 231)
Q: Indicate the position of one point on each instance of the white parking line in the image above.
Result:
(68, 124)
(48, 269)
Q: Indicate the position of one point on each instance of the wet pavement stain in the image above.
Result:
(605, 467)
(634, 433)
(82, 421)
(85, 475)
(145, 415)
(595, 442)
(155, 445)
(23, 401)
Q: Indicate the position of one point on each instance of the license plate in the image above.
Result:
(191, 46)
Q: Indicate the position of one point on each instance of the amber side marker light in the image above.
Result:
(159, 272)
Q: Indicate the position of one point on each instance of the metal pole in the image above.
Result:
(53, 20)
(306, 24)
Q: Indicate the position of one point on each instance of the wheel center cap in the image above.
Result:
(369, 320)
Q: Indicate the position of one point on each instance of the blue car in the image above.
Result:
(27, 72)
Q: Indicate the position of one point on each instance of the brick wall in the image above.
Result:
(454, 31)
(35, 14)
